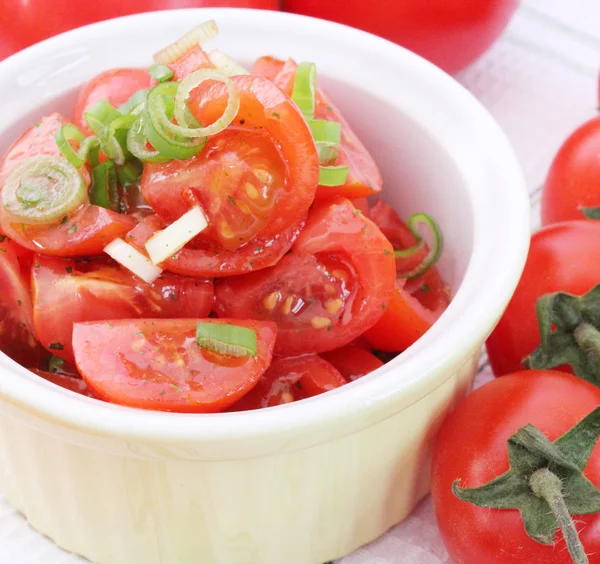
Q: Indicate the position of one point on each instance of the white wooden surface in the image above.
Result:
(540, 82)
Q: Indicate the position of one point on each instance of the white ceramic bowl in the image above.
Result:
(306, 482)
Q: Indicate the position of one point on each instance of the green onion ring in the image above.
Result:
(68, 133)
(160, 73)
(136, 143)
(304, 90)
(414, 221)
(227, 339)
(43, 189)
(333, 175)
(323, 131)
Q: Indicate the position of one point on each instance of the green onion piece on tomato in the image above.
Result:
(100, 116)
(304, 89)
(55, 364)
(135, 104)
(227, 339)
(137, 143)
(160, 73)
(68, 133)
(43, 189)
(327, 154)
(327, 132)
(437, 243)
(333, 175)
(105, 189)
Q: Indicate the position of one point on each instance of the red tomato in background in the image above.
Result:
(471, 447)
(24, 22)
(562, 257)
(157, 364)
(450, 33)
(573, 181)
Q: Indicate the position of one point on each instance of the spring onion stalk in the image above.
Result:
(304, 90)
(437, 244)
(133, 260)
(68, 133)
(226, 339)
(43, 189)
(160, 73)
(327, 132)
(333, 175)
(135, 104)
(199, 34)
(225, 64)
(167, 242)
(105, 188)
(137, 143)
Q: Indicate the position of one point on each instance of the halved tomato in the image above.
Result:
(334, 285)
(115, 85)
(17, 335)
(68, 291)
(364, 178)
(85, 232)
(209, 259)
(257, 177)
(353, 362)
(290, 379)
(157, 364)
(76, 385)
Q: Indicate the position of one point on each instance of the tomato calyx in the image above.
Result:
(569, 332)
(545, 483)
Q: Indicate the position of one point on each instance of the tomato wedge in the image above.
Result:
(267, 67)
(115, 85)
(364, 178)
(335, 283)
(76, 385)
(17, 335)
(209, 259)
(257, 177)
(84, 233)
(68, 291)
(353, 362)
(157, 364)
(290, 379)
(191, 61)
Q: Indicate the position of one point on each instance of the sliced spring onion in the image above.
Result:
(437, 244)
(43, 189)
(227, 339)
(130, 172)
(104, 120)
(333, 175)
(133, 260)
(135, 104)
(105, 189)
(160, 73)
(55, 364)
(303, 92)
(327, 154)
(102, 113)
(199, 34)
(137, 140)
(226, 64)
(323, 131)
(189, 83)
(167, 242)
(68, 133)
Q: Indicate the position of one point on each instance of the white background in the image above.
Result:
(540, 82)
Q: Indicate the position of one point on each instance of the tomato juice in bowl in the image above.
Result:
(216, 486)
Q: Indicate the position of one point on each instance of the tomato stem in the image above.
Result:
(548, 486)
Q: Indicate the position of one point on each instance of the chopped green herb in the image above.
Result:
(161, 393)
(386, 252)
(19, 302)
(276, 115)
(56, 346)
(176, 388)
(69, 269)
(329, 109)
(72, 229)
(231, 200)
(424, 288)
(55, 364)
(2, 237)
(383, 306)
(258, 250)
(109, 324)
(36, 265)
(64, 220)
(298, 385)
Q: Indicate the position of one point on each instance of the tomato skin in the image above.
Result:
(341, 255)
(573, 181)
(76, 385)
(191, 61)
(291, 379)
(114, 85)
(25, 23)
(18, 339)
(210, 259)
(353, 362)
(449, 34)
(156, 364)
(66, 292)
(562, 257)
(471, 446)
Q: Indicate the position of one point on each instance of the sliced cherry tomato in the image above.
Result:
(86, 232)
(290, 379)
(157, 364)
(364, 178)
(573, 181)
(267, 67)
(353, 362)
(67, 291)
(76, 385)
(259, 176)
(115, 85)
(191, 61)
(334, 284)
(209, 259)
(17, 335)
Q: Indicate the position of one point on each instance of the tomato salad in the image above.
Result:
(198, 238)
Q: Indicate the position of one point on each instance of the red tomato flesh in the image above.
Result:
(352, 362)
(157, 364)
(76, 385)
